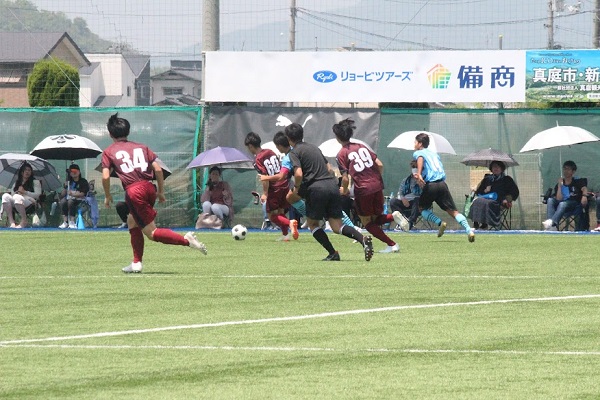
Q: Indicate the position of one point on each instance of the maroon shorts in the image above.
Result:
(370, 204)
(276, 199)
(140, 198)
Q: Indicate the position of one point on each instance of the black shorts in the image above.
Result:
(323, 200)
(438, 192)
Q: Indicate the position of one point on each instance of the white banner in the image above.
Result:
(412, 76)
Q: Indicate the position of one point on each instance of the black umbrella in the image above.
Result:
(42, 170)
(483, 158)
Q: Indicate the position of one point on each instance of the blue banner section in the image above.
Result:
(563, 75)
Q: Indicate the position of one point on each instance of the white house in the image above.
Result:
(183, 79)
(115, 80)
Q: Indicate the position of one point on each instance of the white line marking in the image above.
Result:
(204, 277)
(301, 349)
(296, 318)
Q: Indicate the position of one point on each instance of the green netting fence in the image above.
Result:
(177, 134)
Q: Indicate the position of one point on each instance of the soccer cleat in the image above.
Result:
(123, 225)
(64, 225)
(133, 268)
(294, 229)
(284, 238)
(335, 256)
(391, 249)
(441, 229)
(471, 237)
(72, 225)
(547, 224)
(368, 247)
(194, 243)
(596, 229)
(401, 221)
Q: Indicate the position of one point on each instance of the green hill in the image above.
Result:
(24, 16)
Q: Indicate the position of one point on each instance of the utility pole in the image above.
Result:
(550, 25)
(293, 25)
(210, 33)
(596, 43)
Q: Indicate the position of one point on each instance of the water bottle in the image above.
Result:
(53, 207)
(385, 207)
(80, 224)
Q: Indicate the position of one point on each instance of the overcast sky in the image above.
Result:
(164, 28)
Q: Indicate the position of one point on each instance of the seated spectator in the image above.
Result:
(75, 193)
(25, 193)
(217, 199)
(495, 192)
(407, 202)
(570, 194)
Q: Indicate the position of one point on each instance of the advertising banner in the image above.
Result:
(415, 76)
(563, 75)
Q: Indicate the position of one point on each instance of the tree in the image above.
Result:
(53, 83)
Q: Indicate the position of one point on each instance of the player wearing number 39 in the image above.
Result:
(266, 162)
(431, 177)
(135, 165)
(365, 169)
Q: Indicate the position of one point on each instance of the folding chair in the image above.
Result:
(576, 220)
(506, 218)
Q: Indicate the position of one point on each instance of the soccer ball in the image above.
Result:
(239, 232)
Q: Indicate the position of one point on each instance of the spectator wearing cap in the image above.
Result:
(74, 193)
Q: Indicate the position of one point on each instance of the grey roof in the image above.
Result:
(88, 69)
(179, 73)
(137, 62)
(188, 64)
(30, 47)
(107, 101)
(183, 100)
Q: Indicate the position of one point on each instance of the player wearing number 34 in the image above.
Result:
(134, 163)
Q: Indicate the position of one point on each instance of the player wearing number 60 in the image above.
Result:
(273, 194)
(365, 169)
(134, 164)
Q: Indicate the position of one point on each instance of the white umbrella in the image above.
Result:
(559, 136)
(331, 147)
(437, 142)
(66, 147)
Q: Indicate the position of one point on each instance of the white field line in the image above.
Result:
(385, 276)
(296, 318)
(303, 349)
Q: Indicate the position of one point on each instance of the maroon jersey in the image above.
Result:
(131, 161)
(359, 162)
(267, 163)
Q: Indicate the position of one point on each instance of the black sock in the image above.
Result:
(352, 234)
(321, 237)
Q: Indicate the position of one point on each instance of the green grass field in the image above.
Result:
(510, 316)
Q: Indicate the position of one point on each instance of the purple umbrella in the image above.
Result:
(218, 155)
